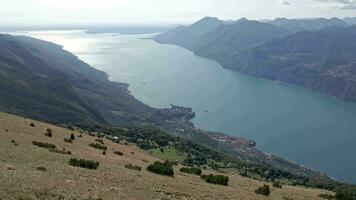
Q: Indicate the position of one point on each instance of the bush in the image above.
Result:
(134, 167)
(48, 132)
(63, 151)
(99, 141)
(193, 170)
(14, 142)
(264, 190)
(68, 140)
(118, 153)
(89, 164)
(44, 145)
(277, 185)
(98, 146)
(41, 169)
(216, 179)
(72, 137)
(104, 152)
(32, 125)
(161, 168)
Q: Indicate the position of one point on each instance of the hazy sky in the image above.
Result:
(164, 11)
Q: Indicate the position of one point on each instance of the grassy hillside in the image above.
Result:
(30, 172)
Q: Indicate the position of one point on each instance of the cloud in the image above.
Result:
(284, 2)
(337, 4)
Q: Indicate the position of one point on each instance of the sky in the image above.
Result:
(72, 12)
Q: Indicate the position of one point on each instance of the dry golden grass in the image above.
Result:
(20, 179)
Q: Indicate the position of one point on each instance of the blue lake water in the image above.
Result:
(313, 129)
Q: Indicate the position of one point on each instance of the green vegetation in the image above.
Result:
(216, 179)
(63, 151)
(98, 146)
(161, 168)
(277, 185)
(44, 145)
(168, 154)
(99, 141)
(133, 167)
(32, 125)
(192, 170)
(263, 190)
(151, 138)
(68, 140)
(14, 142)
(72, 136)
(119, 153)
(41, 169)
(89, 164)
(48, 132)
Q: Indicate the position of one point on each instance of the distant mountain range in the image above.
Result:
(298, 25)
(316, 53)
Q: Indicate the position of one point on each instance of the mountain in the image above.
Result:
(229, 39)
(40, 80)
(188, 36)
(323, 61)
(350, 20)
(298, 25)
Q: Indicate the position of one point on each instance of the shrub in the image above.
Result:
(89, 164)
(104, 152)
(277, 185)
(193, 170)
(63, 151)
(14, 142)
(118, 153)
(98, 146)
(41, 169)
(264, 190)
(68, 140)
(216, 179)
(32, 125)
(161, 168)
(48, 132)
(72, 137)
(134, 167)
(99, 141)
(44, 145)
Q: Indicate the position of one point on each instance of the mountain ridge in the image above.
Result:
(337, 81)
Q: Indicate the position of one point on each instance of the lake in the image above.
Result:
(313, 129)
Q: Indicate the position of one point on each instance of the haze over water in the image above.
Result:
(313, 129)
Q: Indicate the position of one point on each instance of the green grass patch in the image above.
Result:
(170, 154)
